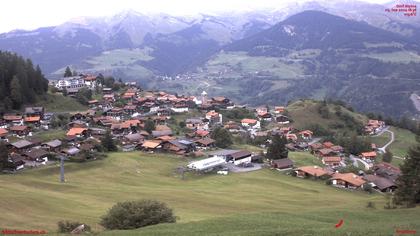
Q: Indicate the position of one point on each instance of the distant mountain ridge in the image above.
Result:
(369, 58)
(129, 29)
(320, 30)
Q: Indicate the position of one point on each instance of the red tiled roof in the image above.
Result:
(75, 131)
(248, 121)
(3, 132)
(202, 133)
(313, 170)
(18, 128)
(368, 154)
(332, 159)
(349, 178)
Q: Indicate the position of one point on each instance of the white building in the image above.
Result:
(73, 82)
(207, 164)
(76, 82)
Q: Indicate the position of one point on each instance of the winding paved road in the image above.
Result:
(383, 149)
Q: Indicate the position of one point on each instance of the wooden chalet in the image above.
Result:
(347, 180)
(311, 171)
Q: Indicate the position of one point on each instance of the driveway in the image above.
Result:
(314, 140)
(383, 149)
(237, 169)
(355, 160)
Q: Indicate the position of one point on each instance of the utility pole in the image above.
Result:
(62, 180)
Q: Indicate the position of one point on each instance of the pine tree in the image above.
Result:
(4, 157)
(277, 149)
(68, 72)
(149, 126)
(408, 191)
(64, 91)
(16, 92)
(108, 143)
(222, 137)
(387, 157)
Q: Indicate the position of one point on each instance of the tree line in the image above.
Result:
(20, 81)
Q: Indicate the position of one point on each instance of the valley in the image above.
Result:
(297, 118)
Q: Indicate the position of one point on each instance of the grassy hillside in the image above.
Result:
(125, 61)
(319, 223)
(240, 62)
(273, 201)
(60, 103)
(304, 159)
(404, 139)
(306, 114)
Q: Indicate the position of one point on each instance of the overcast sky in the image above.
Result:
(32, 14)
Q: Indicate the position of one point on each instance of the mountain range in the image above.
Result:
(337, 49)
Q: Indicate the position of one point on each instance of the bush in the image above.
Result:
(137, 214)
(371, 205)
(68, 226)
(368, 188)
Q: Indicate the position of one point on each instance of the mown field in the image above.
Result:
(264, 202)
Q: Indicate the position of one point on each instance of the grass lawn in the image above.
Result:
(304, 159)
(49, 135)
(404, 139)
(381, 140)
(395, 57)
(263, 202)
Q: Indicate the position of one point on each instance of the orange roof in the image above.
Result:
(166, 138)
(162, 128)
(349, 178)
(131, 123)
(248, 121)
(202, 132)
(90, 78)
(219, 99)
(368, 154)
(332, 159)
(151, 144)
(93, 101)
(212, 113)
(328, 144)
(306, 132)
(313, 170)
(18, 128)
(279, 109)
(291, 136)
(3, 132)
(129, 95)
(32, 119)
(76, 131)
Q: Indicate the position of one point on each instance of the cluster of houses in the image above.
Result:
(383, 177)
(330, 154)
(126, 116)
(22, 125)
(374, 127)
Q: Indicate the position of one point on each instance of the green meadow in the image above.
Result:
(264, 202)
